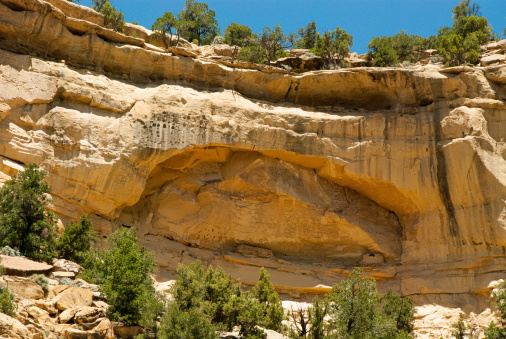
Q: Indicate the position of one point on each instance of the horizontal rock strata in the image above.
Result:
(399, 171)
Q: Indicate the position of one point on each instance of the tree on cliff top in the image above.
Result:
(308, 36)
(271, 42)
(164, 25)
(391, 50)
(199, 22)
(461, 43)
(333, 46)
(238, 35)
(25, 222)
(112, 18)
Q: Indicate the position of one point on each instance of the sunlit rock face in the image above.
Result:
(400, 172)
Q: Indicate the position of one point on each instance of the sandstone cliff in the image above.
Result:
(399, 171)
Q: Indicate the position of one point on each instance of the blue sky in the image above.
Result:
(363, 19)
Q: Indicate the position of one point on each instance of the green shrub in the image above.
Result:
(332, 47)
(358, 311)
(199, 23)
(164, 25)
(210, 291)
(42, 280)
(176, 324)
(400, 48)
(452, 49)
(271, 42)
(308, 37)
(11, 252)
(238, 35)
(25, 223)
(316, 317)
(217, 298)
(252, 53)
(154, 308)
(7, 302)
(400, 310)
(461, 43)
(123, 274)
(248, 314)
(272, 309)
(493, 331)
(112, 18)
(381, 52)
(65, 281)
(75, 242)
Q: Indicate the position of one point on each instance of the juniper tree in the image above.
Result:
(357, 311)
(164, 25)
(199, 22)
(308, 36)
(273, 313)
(76, 241)
(333, 46)
(112, 18)
(272, 42)
(123, 274)
(461, 43)
(25, 221)
(238, 35)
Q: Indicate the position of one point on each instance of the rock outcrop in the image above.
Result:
(399, 171)
(23, 266)
(39, 318)
(12, 328)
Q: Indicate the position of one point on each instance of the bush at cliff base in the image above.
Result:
(25, 223)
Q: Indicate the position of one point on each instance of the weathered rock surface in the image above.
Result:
(300, 64)
(39, 318)
(63, 265)
(22, 287)
(401, 172)
(12, 328)
(104, 329)
(183, 52)
(127, 332)
(23, 267)
(74, 297)
(67, 315)
(493, 59)
(88, 314)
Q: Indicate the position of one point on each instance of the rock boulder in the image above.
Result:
(22, 287)
(24, 267)
(12, 328)
(74, 297)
